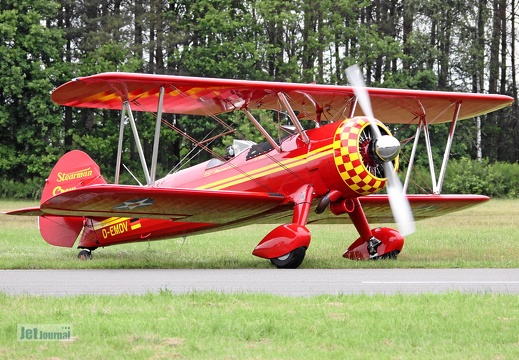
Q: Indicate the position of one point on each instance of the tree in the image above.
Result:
(30, 135)
(435, 45)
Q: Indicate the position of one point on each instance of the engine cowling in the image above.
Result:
(358, 160)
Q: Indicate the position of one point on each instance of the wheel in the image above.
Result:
(392, 255)
(85, 254)
(292, 260)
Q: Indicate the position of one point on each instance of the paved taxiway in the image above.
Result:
(300, 282)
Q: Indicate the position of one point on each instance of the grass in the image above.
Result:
(484, 236)
(254, 326)
(216, 326)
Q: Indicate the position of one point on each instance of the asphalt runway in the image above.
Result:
(299, 282)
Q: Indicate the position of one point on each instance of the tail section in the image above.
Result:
(75, 169)
(60, 231)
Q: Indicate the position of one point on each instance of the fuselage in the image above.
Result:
(324, 162)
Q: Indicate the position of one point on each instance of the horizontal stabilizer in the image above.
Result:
(32, 211)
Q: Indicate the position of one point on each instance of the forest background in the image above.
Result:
(453, 45)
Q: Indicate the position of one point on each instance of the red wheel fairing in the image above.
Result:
(392, 242)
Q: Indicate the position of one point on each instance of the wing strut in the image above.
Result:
(437, 184)
(412, 157)
(120, 146)
(138, 143)
(262, 130)
(126, 109)
(293, 117)
(353, 107)
(158, 122)
(448, 148)
(429, 152)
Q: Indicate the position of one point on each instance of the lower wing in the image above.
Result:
(190, 205)
(424, 206)
(224, 206)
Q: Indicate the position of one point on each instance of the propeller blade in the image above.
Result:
(355, 78)
(398, 202)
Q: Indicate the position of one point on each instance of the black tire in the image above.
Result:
(85, 255)
(292, 260)
(392, 255)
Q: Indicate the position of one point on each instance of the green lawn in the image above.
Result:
(484, 236)
(246, 326)
(216, 326)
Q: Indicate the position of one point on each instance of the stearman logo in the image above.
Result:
(59, 190)
(62, 176)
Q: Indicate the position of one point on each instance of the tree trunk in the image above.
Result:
(407, 29)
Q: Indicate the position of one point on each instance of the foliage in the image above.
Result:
(30, 189)
(29, 68)
(402, 44)
(466, 176)
(419, 80)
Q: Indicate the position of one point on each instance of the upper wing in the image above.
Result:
(189, 205)
(209, 96)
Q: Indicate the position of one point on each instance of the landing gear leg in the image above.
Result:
(379, 243)
(85, 254)
(373, 244)
(385, 243)
(286, 245)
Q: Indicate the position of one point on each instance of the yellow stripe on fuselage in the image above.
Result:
(269, 169)
(109, 221)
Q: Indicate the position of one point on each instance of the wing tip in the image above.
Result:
(31, 211)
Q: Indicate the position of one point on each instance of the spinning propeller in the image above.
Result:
(386, 149)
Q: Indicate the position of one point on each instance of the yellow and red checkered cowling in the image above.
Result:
(348, 158)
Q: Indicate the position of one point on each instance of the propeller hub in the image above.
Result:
(387, 148)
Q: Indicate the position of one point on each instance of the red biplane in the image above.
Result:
(324, 174)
